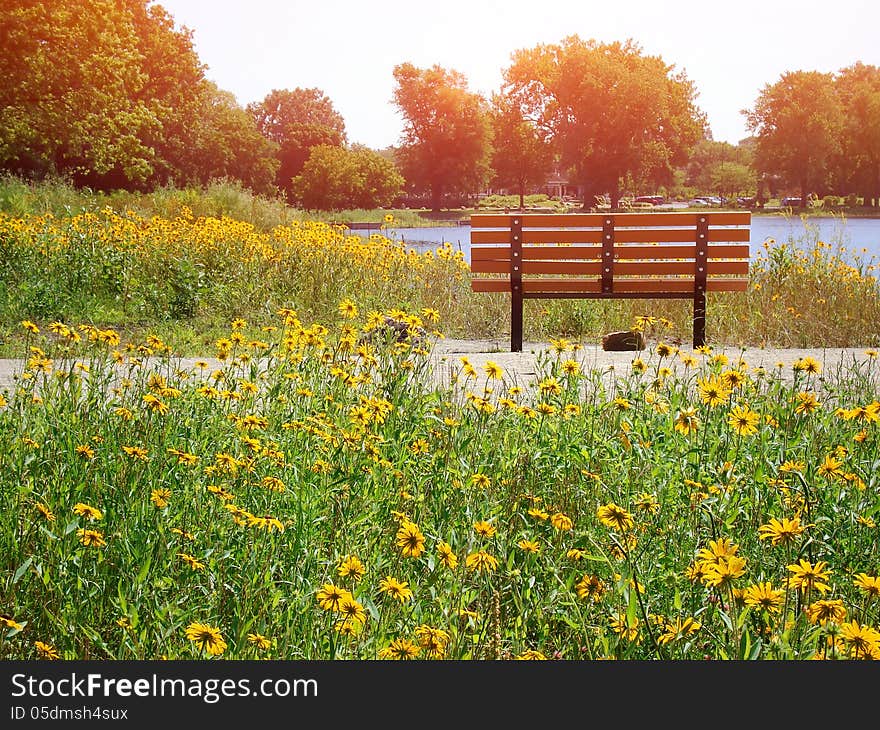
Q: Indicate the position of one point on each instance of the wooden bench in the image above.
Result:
(654, 255)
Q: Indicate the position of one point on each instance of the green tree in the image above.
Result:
(296, 121)
(113, 95)
(858, 88)
(797, 123)
(730, 179)
(613, 112)
(521, 157)
(66, 91)
(446, 136)
(337, 178)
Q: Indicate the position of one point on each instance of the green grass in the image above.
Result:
(590, 515)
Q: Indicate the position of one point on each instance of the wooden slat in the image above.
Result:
(545, 253)
(539, 267)
(682, 252)
(587, 286)
(621, 235)
(627, 268)
(594, 220)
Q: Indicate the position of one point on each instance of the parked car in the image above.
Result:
(652, 199)
(790, 202)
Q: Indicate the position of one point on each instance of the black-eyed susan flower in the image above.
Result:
(481, 562)
(352, 610)
(531, 655)
(615, 517)
(561, 522)
(686, 421)
(192, 562)
(46, 651)
(806, 576)
(84, 510)
(781, 532)
(401, 649)
(432, 640)
(7, 622)
(724, 571)
(410, 540)
(870, 584)
(447, 556)
(590, 588)
(713, 391)
(330, 596)
(862, 642)
(743, 420)
(764, 597)
(484, 529)
(529, 546)
(396, 589)
(207, 638)
(351, 566)
(47, 513)
(825, 610)
(91, 538)
(260, 641)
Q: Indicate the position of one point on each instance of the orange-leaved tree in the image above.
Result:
(446, 138)
(521, 154)
(797, 123)
(613, 112)
(297, 120)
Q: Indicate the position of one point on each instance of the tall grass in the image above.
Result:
(313, 492)
(182, 262)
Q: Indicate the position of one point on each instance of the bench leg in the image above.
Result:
(699, 319)
(516, 318)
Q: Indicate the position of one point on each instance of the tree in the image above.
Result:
(66, 101)
(111, 94)
(858, 89)
(797, 123)
(297, 120)
(612, 112)
(446, 136)
(730, 179)
(337, 178)
(521, 157)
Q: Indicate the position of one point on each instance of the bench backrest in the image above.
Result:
(608, 255)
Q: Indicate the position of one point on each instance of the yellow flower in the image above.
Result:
(447, 556)
(410, 540)
(30, 327)
(87, 511)
(743, 420)
(561, 522)
(615, 517)
(782, 531)
(91, 538)
(46, 651)
(493, 370)
(260, 641)
(192, 562)
(352, 566)
(160, 497)
(806, 576)
(330, 596)
(484, 529)
(394, 588)
(686, 421)
(481, 561)
(208, 638)
(348, 309)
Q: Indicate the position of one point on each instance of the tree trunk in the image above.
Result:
(522, 196)
(436, 198)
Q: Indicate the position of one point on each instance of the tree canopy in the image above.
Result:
(110, 93)
(446, 137)
(797, 123)
(613, 112)
(521, 156)
(336, 178)
(296, 121)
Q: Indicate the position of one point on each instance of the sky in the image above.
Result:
(730, 50)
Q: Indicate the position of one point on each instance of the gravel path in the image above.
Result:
(522, 367)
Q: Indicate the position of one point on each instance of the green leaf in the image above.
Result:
(21, 570)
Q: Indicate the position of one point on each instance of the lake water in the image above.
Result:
(851, 237)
